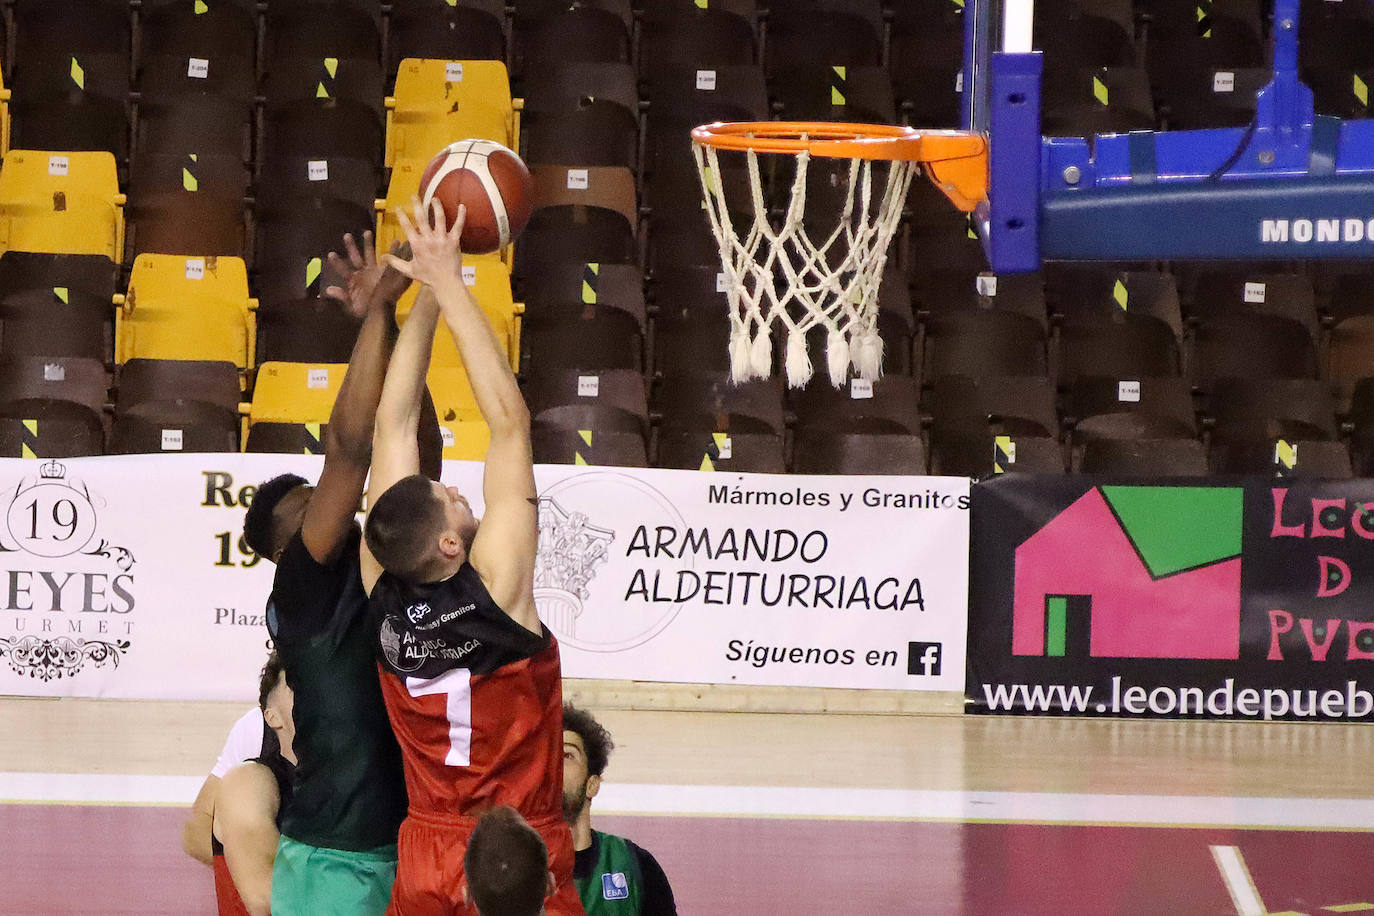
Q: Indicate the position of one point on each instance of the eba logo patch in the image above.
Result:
(614, 886)
(417, 612)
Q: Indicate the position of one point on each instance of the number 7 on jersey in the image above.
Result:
(456, 686)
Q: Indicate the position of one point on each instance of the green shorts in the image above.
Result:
(308, 880)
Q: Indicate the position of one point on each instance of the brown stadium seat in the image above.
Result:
(978, 453)
(926, 59)
(889, 405)
(1215, 97)
(563, 290)
(319, 29)
(1144, 458)
(1105, 100)
(302, 175)
(202, 222)
(444, 30)
(554, 444)
(299, 229)
(198, 49)
(56, 322)
(704, 449)
(585, 399)
(287, 438)
(685, 95)
(808, 91)
(1271, 457)
(680, 32)
(597, 337)
(826, 452)
(1251, 346)
(1361, 416)
(323, 78)
(1091, 33)
(594, 31)
(983, 342)
(1126, 407)
(1020, 405)
(583, 114)
(710, 400)
(90, 274)
(341, 129)
(581, 215)
(688, 340)
(192, 172)
(71, 76)
(51, 407)
(174, 426)
(829, 32)
(1180, 44)
(203, 124)
(143, 381)
(306, 330)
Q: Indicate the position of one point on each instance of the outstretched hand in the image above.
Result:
(435, 256)
(365, 275)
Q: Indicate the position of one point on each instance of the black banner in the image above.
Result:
(1246, 599)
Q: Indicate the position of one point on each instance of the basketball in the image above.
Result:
(491, 181)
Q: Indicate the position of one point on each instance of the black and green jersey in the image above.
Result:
(614, 877)
(350, 792)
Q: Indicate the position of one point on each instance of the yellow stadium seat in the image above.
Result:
(4, 118)
(295, 392)
(187, 308)
(489, 282)
(438, 102)
(465, 433)
(61, 203)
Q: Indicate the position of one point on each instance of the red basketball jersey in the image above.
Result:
(476, 700)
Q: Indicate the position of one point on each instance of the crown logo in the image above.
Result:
(570, 550)
(52, 470)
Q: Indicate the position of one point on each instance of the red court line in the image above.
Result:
(126, 859)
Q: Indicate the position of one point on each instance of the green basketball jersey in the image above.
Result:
(350, 792)
(615, 885)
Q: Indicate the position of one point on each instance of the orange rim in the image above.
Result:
(839, 140)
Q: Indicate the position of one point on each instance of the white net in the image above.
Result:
(780, 275)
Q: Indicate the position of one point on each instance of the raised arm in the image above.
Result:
(395, 451)
(374, 289)
(245, 822)
(503, 551)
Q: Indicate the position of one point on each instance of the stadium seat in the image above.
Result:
(307, 129)
(286, 438)
(946, 260)
(1106, 100)
(1125, 407)
(686, 95)
(1183, 39)
(295, 392)
(1250, 346)
(1144, 458)
(174, 426)
(819, 92)
(298, 230)
(55, 322)
(829, 32)
(187, 308)
(584, 114)
(891, 405)
(25, 270)
(1351, 295)
(981, 342)
(61, 203)
(580, 215)
(51, 407)
(580, 399)
(978, 453)
(1012, 405)
(437, 102)
(489, 284)
(598, 337)
(202, 222)
(325, 79)
(691, 339)
(1319, 459)
(464, 434)
(445, 30)
(305, 330)
(826, 452)
(1215, 97)
(302, 175)
(711, 401)
(703, 449)
(562, 290)
(1361, 416)
(546, 30)
(144, 381)
(680, 32)
(926, 60)
(71, 70)
(1128, 346)
(1287, 408)
(1095, 33)
(195, 123)
(219, 173)
(319, 29)
(198, 49)
(554, 444)
(1092, 294)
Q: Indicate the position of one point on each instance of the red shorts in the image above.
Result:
(429, 868)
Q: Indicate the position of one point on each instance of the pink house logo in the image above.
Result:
(1133, 572)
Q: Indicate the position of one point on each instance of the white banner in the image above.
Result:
(125, 576)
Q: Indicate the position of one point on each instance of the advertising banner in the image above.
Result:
(1244, 600)
(126, 576)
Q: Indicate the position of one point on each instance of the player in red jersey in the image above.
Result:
(470, 676)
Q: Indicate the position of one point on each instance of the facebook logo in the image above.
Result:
(923, 657)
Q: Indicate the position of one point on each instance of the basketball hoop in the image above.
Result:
(780, 274)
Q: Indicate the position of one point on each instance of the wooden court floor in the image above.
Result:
(791, 813)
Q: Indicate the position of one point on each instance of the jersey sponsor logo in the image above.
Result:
(417, 612)
(391, 647)
(615, 886)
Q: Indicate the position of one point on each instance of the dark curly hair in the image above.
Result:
(257, 521)
(267, 681)
(595, 738)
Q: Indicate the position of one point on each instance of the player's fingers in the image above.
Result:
(337, 292)
(406, 225)
(421, 223)
(401, 249)
(339, 265)
(456, 232)
(355, 258)
(437, 218)
(399, 265)
(369, 249)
